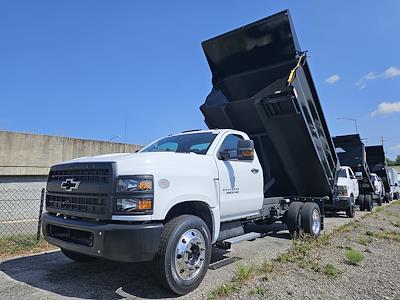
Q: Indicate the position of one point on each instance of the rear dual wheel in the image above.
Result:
(304, 217)
(386, 198)
(361, 202)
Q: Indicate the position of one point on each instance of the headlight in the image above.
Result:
(134, 205)
(342, 190)
(135, 195)
(135, 184)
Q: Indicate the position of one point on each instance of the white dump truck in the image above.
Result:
(175, 199)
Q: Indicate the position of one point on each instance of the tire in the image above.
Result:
(293, 218)
(311, 219)
(78, 257)
(368, 203)
(361, 202)
(386, 198)
(350, 211)
(175, 265)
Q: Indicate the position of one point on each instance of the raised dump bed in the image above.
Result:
(351, 152)
(377, 163)
(262, 85)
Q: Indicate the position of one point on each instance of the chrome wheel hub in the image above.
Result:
(190, 254)
(316, 222)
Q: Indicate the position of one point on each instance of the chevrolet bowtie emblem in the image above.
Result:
(70, 184)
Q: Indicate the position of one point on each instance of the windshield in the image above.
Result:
(342, 173)
(184, 143)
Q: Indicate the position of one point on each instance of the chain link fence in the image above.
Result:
(20, 215)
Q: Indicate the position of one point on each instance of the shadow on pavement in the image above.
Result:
(55, 273)
(96, 280)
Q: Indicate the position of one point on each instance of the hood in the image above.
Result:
(147, 162)
(114, 157)
(342, 181)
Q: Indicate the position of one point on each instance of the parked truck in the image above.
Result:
(394, 183)
(351, 152)
(178, 196)
(377, 164)
(347, 191)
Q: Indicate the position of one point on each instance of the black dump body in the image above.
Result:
(250, 68)
(351, 152)
(377, 164)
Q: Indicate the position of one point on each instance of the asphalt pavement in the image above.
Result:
(53, 276)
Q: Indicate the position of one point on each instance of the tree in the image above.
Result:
(395, 162)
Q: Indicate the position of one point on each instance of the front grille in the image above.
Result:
(75, 236)
(82, 175)
(81, 203)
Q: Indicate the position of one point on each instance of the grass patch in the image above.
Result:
(378, 209)
(330, 270)
(258, 291)
(243, 274)
(386, 235)
(395, 223)
(362, 241)
(354, 257)
(22, 244)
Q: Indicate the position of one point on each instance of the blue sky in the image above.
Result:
(87, 69)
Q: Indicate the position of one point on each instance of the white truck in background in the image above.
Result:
(347, 189)
(379, 187)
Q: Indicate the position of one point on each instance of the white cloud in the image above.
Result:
(333, 79)
(390, 72)
(395, 148)
(386, 108)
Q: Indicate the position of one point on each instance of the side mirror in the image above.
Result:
(225, 155)
(359, 175)
(245, 150)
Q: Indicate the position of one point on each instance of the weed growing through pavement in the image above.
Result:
(354, 257)
(258, 291)
(330, 270)
(362, 241)
(243, 274)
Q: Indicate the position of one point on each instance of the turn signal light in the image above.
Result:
(145, 204)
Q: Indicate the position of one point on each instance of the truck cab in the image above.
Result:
(347, 189)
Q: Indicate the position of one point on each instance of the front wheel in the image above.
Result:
(350, 211)
(311, 219)
(368, 202)
(184, 254)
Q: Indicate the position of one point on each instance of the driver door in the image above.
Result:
(240, 182)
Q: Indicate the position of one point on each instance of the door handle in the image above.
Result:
(254, 171)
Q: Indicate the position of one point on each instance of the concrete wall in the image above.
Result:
(33, 154)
